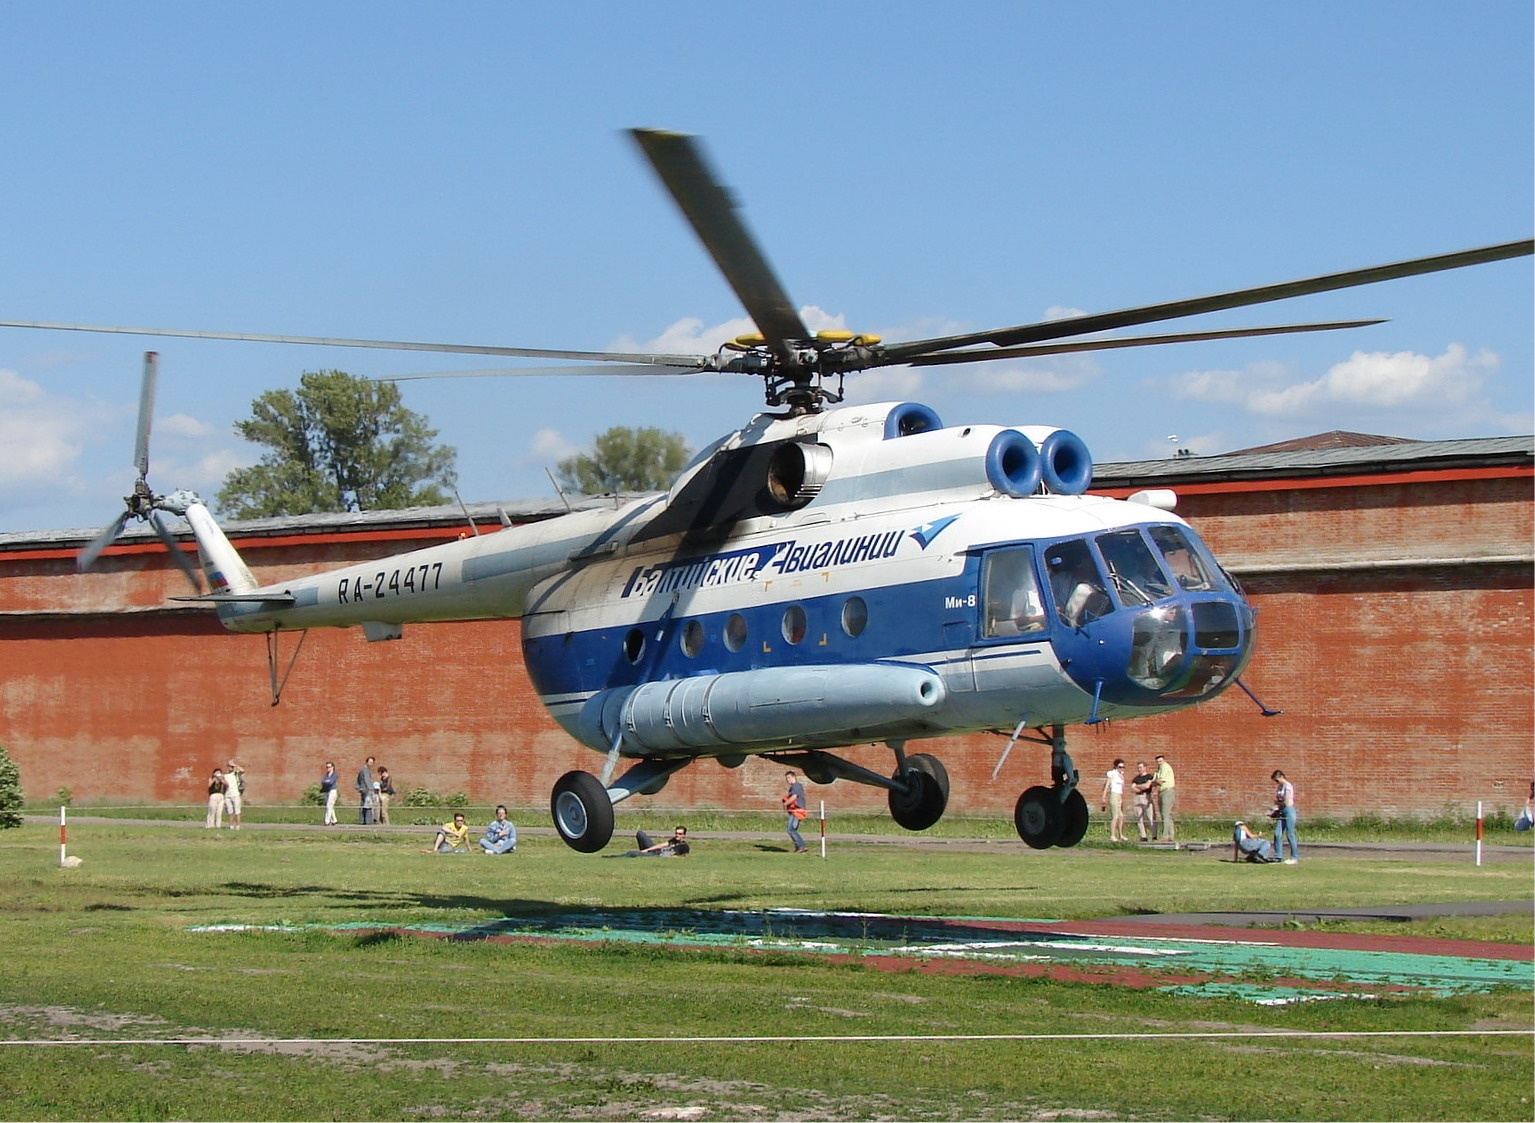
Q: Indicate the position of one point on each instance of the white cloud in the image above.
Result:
(1051, 374)
(549, 447)
(43, 436)
(1061, 312)
(180, 425)
(1399, 383)
(884, 384)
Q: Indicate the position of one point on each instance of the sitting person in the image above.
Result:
(452, 838)
(674, 847)
(1255, 848)
(500, 836)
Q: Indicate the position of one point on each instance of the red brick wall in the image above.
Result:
(1406, 686)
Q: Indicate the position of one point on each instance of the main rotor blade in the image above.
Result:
(89, 555)
(183, 562)
(378, 344)
(589, 370)
(947, 357)
(1151, 313)
(146, 412)
(707, 205)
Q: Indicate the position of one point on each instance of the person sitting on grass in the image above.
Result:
(500, 836)
(1255, 849)
(452, 838)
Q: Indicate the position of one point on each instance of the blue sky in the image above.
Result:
(457, 173)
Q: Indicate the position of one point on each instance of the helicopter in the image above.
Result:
(827, 576)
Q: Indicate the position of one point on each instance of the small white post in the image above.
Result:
(1478, 832)
(823, 829)
(63, 834)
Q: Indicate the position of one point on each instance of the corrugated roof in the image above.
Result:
(1336, 438)
(1275, 462)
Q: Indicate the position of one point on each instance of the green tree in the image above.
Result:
(625, 459)
(12, 798)
(337, 443)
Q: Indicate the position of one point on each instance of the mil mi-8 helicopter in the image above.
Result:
(826, 576)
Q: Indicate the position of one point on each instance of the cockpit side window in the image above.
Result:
(1185, 559)
(1075, 583)
(1010, 592)
(1133, 568)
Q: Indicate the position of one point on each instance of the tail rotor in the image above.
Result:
(143, 504)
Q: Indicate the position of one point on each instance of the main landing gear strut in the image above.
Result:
(582, 805)
(1057, 815)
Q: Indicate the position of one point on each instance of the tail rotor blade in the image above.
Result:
(89, 555)
(146, 412)
(178, 556)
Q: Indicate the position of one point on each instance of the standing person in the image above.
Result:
(216, 790)
(794, 806)
(1114, 801)
(1164, 783)
(1284, 818)
(329, 790)
(1145, 809)
(365, 792)
(500, 836)
(234, 798)
(385, 794)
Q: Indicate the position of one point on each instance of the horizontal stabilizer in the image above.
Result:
(243, 598)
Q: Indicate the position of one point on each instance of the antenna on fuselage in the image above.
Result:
(467, 516)
(558, 490)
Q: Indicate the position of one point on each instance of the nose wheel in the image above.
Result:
(1039, 818)
(1056, 815)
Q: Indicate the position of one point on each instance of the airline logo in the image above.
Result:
(925, 533)
(771, 560)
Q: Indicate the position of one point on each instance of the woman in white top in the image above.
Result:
(1114, 801)
(1284, 818)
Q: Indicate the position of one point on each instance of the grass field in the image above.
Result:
(1446, 828)
(312, 1022)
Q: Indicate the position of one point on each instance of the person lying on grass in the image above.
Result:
(674, 847)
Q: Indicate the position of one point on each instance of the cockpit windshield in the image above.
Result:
(1133, 568)
(1187, 560)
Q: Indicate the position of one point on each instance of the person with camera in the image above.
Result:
(1283, 815)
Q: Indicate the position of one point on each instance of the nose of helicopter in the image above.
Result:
(1177, 651)
(1189, 648)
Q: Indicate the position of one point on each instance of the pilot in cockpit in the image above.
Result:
(1075, 585)
(1014, 606)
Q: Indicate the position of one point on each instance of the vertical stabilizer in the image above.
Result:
(222, 564)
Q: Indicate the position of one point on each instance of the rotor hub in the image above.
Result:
(796, 372)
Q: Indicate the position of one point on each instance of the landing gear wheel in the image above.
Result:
(1075, 816)
(1039, 817)
(583, 813)
(926, 796)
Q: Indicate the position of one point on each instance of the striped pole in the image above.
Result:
(63, 834)
(823, 828)
(1478, 832)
